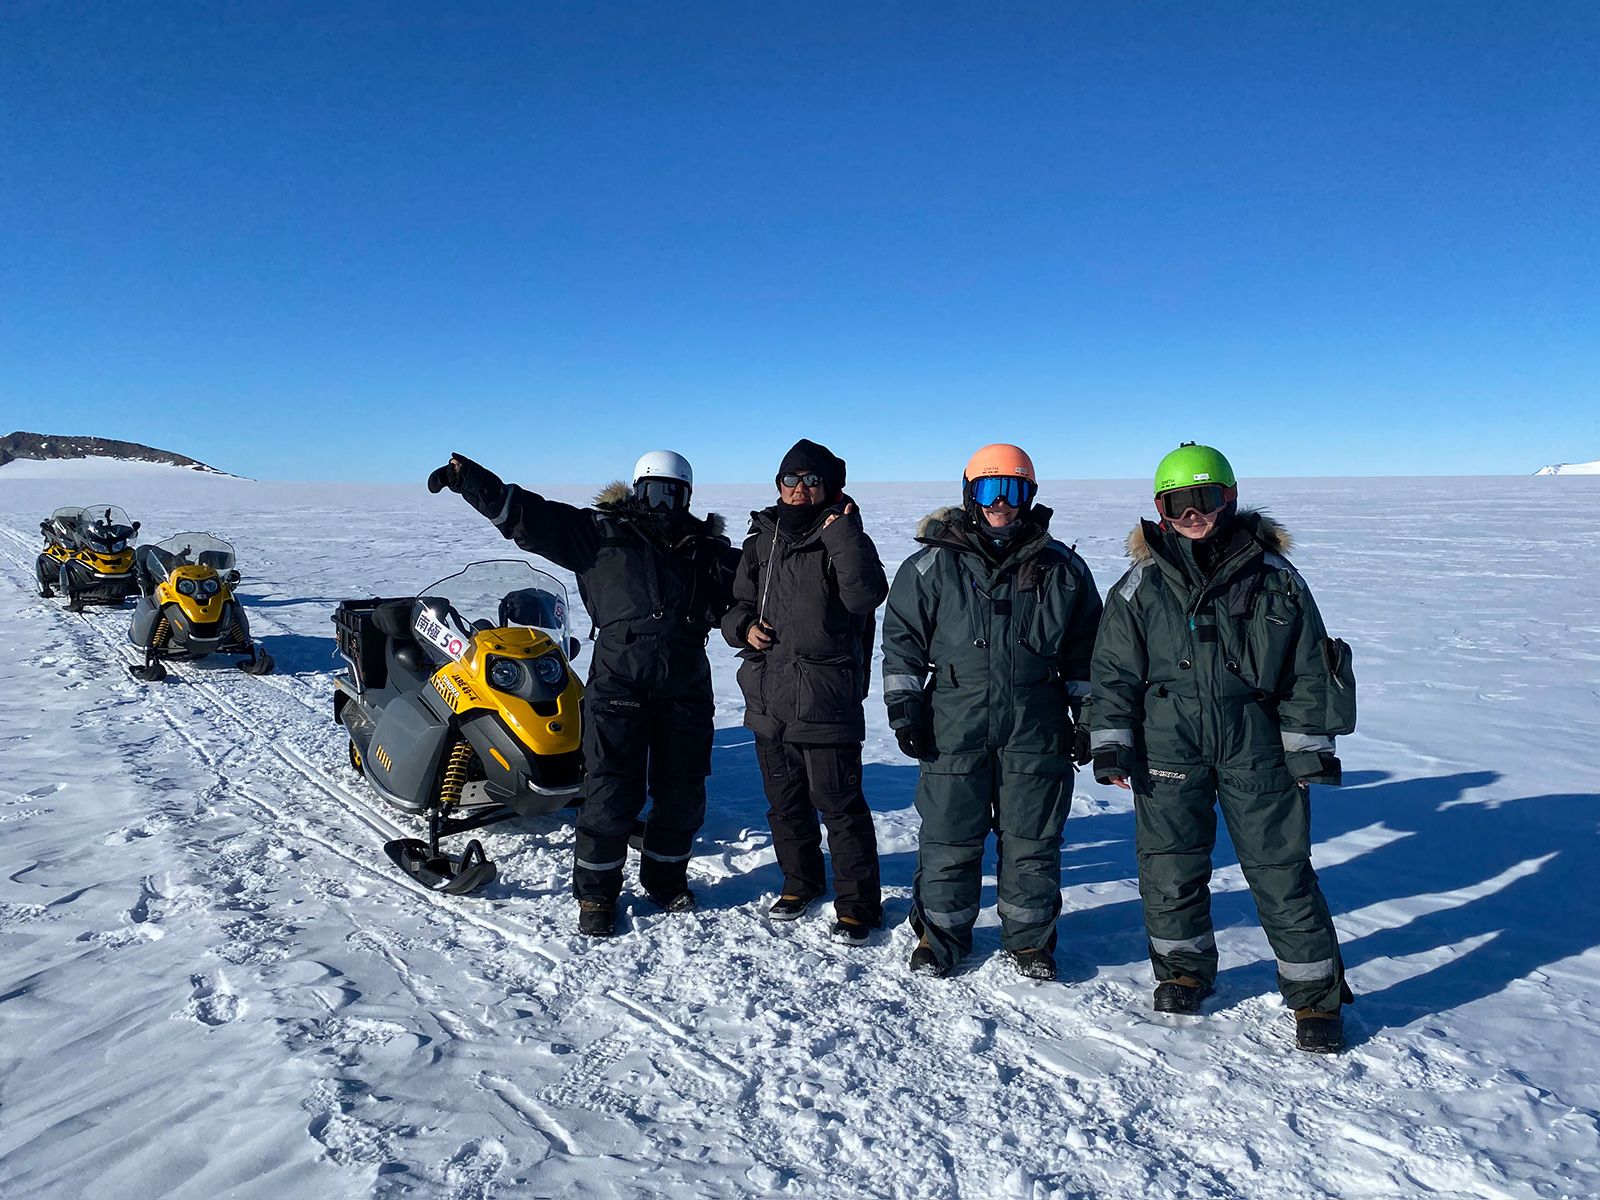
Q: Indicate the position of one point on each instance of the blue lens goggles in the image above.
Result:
(1013, 489)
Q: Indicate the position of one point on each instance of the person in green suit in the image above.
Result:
(1214, 681)
(986, 644)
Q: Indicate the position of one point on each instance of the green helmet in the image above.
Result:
(1190, 464)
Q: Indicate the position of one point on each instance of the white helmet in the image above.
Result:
(663, 464)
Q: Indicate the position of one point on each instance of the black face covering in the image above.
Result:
(795, 519)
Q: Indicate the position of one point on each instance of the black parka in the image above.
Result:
(819, 589)
(654, 583)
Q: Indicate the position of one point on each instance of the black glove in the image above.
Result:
(1114, 762)
(1316, 766)
(914, 741)
(1081, 754)
(479, 486)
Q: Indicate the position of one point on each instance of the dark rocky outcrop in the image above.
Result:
(49, 446)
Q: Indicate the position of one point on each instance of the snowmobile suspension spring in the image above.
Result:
(162, 635)
(238, 633)
(455, 774)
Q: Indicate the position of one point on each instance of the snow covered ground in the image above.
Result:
(213, 983)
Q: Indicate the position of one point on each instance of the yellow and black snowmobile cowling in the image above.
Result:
(88, 555)
(187, 608)
(461, 705)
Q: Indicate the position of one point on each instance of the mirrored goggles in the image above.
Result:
(1013, 489)
(792, 479)
(661, 493)
(1204, 498)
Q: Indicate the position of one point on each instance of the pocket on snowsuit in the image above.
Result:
(1340, 715)
(826, 689)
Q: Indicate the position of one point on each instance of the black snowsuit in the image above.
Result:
(654, 584)
(818, 586)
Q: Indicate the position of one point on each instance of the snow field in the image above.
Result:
(213, 982)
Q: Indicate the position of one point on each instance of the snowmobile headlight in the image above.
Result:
(186, 586)
(506, 674)
(210, 586)
(549, 669)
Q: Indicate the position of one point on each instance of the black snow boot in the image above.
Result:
(1033, 963)
(678, 902)
(597, 918)
(789, 908)
(1182, 994)
(1318, 1032)
(925, 962)
(849, 932)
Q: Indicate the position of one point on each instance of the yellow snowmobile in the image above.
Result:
(187, 608)
(461, 704)
(87, 555)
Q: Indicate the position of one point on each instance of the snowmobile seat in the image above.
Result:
(393, 619)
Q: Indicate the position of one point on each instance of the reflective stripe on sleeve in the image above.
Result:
(901, 683)
(1298, 743)
(1105, 739)
(1078, 689)
(1130, 585)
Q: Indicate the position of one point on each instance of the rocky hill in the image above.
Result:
(45, 446)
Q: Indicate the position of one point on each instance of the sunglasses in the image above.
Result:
(809, 478)
(991, 489)
(1204, 498)
(662, 493)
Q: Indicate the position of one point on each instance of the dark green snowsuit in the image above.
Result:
(1214, 679)
(989, 649)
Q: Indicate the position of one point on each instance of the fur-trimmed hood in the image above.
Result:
(1265, 529)
(617, 496)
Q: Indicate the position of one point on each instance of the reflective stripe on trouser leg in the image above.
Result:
(1175, 828)
(1030, 809)
(1269, 819)
(680, 760)
(597, 864)
(956, 819)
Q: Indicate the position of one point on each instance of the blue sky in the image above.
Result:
(340, 240)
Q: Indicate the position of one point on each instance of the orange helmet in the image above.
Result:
(1002, 458)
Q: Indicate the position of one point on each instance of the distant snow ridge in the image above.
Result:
(45, 447)
(1588, 468)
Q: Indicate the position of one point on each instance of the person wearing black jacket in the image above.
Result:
(804, 598)
(654, 580)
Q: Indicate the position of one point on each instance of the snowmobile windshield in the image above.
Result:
(105, 528)
(193, 550)
(498, 594)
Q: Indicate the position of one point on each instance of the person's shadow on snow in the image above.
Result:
(1478, 893)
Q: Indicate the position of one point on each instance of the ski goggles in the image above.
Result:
(1013, 489)
(1204, 498)
(795, 479)
(661, 493)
